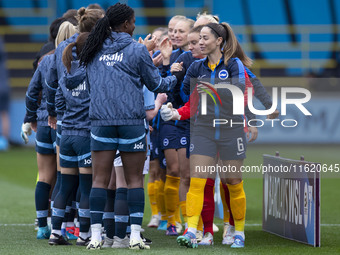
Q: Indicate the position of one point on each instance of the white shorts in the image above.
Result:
(118, 162)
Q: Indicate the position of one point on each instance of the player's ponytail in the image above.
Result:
(67, 56)
(115, 16)
(94, 43)
(239, 53)
(231, 42)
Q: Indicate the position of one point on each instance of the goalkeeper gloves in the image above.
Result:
(169, 113)
(26, 131)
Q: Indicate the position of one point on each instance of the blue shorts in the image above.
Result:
(123, 138)
(172, 137)
(45, 140)
(184, 138)
(59, 127)
(231, 144)
(154, 144)
(75, 151)
(162, 160)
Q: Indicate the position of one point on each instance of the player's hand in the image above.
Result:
(34, 126)
(158, 60)
(161, 98)
(273, 115)
(203, 87)
(166, 48)
(52, 122)
(149, 43)
(26, 131)
(176, 67)
(150, 129)
(169, 113)
(252, 133)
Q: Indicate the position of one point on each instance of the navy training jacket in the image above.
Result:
(116, 76)
(75, 96)
(233, 74)
(54, 74)
(34, 110)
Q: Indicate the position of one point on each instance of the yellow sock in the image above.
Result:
(226, 212)
(178, 214)
(156, 194)
(195, 198)
(200, 224)
(238, 205)
(152, 198)
(183, 205)
(171, 196)
(160, 200)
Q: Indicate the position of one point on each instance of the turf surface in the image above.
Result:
(17, 213)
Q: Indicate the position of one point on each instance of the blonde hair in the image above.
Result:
(66, 30)
(178, 17)
(210, 17)
(87, 18)
(191, 22)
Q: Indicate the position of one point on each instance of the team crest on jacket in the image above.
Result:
(223, 74)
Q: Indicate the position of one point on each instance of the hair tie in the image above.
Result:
(213, 29)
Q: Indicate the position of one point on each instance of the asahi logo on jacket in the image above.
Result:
(111, 59)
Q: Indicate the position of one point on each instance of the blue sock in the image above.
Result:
(73, 212)
(97, 205)
(78, 198)
(121, 212)
(60, 201)
(42, 192)
(109, 215)
(136, 203)
(85, 184)
(56, 188)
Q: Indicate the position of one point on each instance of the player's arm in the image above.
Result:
(261, 94)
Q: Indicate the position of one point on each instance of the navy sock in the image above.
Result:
(109, 215)
(60, 201)
(56, 188)
(73, 207)
(78, 198)
(97, 205)
(136, 203)
(85, 184)
(42, 192)
(121, 212)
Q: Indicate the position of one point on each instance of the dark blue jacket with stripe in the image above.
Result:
(116, 76)
(233, 74)
(36, 88)
(55, 73)
(73, 99)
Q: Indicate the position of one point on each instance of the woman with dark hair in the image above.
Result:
(117, 68)
(219, 44)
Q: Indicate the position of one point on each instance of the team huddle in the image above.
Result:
(107, 110)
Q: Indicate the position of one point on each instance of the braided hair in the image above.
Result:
(115, 15)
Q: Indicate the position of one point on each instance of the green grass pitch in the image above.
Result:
(17, 213)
